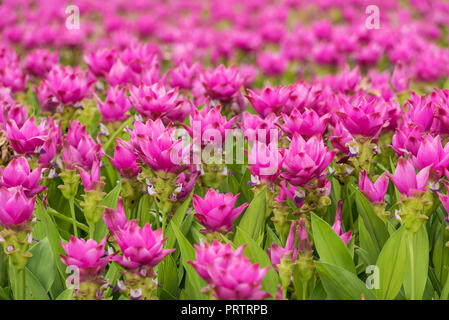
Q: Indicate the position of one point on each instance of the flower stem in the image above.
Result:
(412, 265)
(72, 211)
(19, 284)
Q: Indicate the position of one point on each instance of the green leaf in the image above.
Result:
(177, 219)
(329, 245)
(257, 255)
(253, 219)
(168, 278)
(418, 264)
(392, 264)
(367, 244)
(194, 283)
(341, 284)
(373, 224)
(440, 256)
(67, 294)
(42, 263)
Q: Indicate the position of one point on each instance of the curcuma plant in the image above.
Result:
(224, 150)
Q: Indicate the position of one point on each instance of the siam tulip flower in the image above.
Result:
(302, 95)
(121, 74)
(46, 98)
(307, 124)
(216, 211)
(183, 75)
(346, 237)
(86, 151)
(269, 100)
(39, 62)
(142, 248)
(12, 111)
(182, 109)
(362, 116)
(212, 124)
(305, 160)
(140, 57)
(277, 253)
(431, 153)
(115, 219)
(222, 83)
(11, 76)
(68, 85)
(248, 73)
(153, 101)
(230, 274)
(156, 146)
(27, 139)
(100, 61)
(186, 181)
(115, 106)
(440, 99)
(407, 139)
(266, 162)
(124, 160)
(91, 180)
(18, 173)
(272, 64)
(375, 193)
(420, 110)
(407, 181)
(260, 129)
(16, 209)
(340, 137)
(88, 256)
(400, 79)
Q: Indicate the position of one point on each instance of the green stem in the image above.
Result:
(72, 211)
(65, 218)
(19, 284)
(91, 231)
(412, 265)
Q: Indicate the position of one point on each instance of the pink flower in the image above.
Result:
(261, 129)
(276, 252)
(17, 173)
(266, 161)
(183, 75)
(91, 180)
(346, 237)
(373, 192)
(271, 63)
(124, 160)
(115, 106)
(339, 137)
(153, 101)
(115, 219)
(29, 138)
(68, 85)
(306, 160)
(230, 274)
(39, 62)
(431, 153)
(141, 247)
(156, 146)
(406, 179)
(88, 256)
(100, 61)
(216, 211)
(121, 74)
(307, 124)
(16, 209)
(420, 110)
(222, 83)
(400, 79)
(269, 100)
(407, 139)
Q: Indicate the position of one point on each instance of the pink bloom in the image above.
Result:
(269, 100)
(88, 256)
(183, 75)
(339, 137)
(406, 179)
(91, 179)
(216, 211)
(260, 129)
(17, 173)
(100, 61)
(276, 252)
(407, 139)
(266, 161)
(16, 209)
(46, 97)
(124, 160)
(156, 146)
(373, 192)
(420, 111)
(187, 183)
(431, 153)
(337, 227)
(153, 101)
(400, 79)
(115, 219)
(307, 124)
(141, 247)
(271, 63)
(222, 83)
(230, 274)
(40, 61)
(306, 160)
(28, 139)
(115, 106)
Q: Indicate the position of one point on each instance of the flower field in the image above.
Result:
(224, 150)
